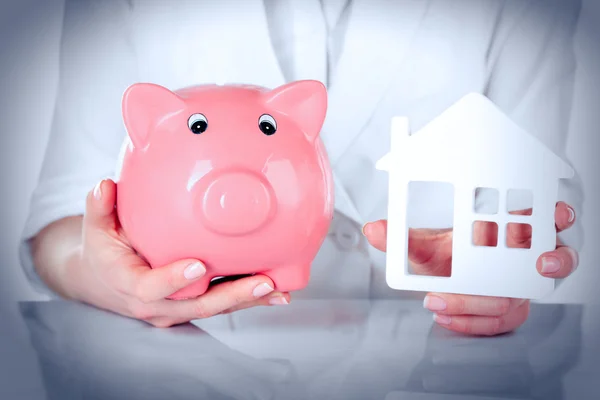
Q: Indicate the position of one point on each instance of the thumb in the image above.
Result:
(100, 210)
(429, 250)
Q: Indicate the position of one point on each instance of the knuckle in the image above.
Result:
(142, 297)
(112, 271)
(238, 295)
(496, 325)
(141, 311)
(238, 299)
(141, 293)
(200, 310)
(468, 326)
(460, 304)
(504, 306)
(172, 279)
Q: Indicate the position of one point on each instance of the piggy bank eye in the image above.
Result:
(197, 123)
(267, 124)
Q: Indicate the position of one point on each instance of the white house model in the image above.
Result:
(474, 145)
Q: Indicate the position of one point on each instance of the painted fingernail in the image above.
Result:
(574, 258)
(442, 319)
(194, 271)
(262, 290)
(98, 190)
(278, 301)
(434, 303)
(571, 214)
(550, 265)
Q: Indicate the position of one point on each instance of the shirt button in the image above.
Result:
(347, 235)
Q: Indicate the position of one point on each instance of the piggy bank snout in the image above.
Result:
(235, 203)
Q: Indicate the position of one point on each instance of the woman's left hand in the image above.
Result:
(430, 253)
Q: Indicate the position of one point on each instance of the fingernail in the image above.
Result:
(278, 301)
(442, 319)
(434, 303)
(550, 265)
(571, 214)
(98, 191)
(262, 290)
(195, 270)
(574, 258)
(521, 302)
(363, 230)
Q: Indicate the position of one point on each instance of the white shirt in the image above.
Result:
(298, 29)
(378, 58)
(308, 29)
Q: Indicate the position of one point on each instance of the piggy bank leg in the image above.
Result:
(289, 278)
(193, 290)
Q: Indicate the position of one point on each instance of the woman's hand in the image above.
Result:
(90, 260)
(430, 253)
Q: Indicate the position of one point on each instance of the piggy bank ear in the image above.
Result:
(144, 105)
(304, 101)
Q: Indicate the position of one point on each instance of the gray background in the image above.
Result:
(29, 39)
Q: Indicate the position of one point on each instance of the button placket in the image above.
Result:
(346, 235)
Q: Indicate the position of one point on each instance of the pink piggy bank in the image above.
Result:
(236, 176)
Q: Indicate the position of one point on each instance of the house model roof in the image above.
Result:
(474, 137)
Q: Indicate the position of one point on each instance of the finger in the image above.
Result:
(151, 284)
(458, 304)
(273, 299)
(100, 206)
(519, 235)
(429, 250)
(484, 325)
(564, 216)
(376, 234)
(485, 233)
(219, 298)
(559, 263)
(526, 211)
(426, 246)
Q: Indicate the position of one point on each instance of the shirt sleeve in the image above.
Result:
(97, 63)
(532, 67)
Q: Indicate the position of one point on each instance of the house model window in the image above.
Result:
(505, 189)
(494, 222)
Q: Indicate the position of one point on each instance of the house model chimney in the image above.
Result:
(400, 131)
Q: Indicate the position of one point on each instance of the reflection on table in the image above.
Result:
(311, 349)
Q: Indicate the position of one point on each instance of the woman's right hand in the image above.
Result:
(104, 271)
